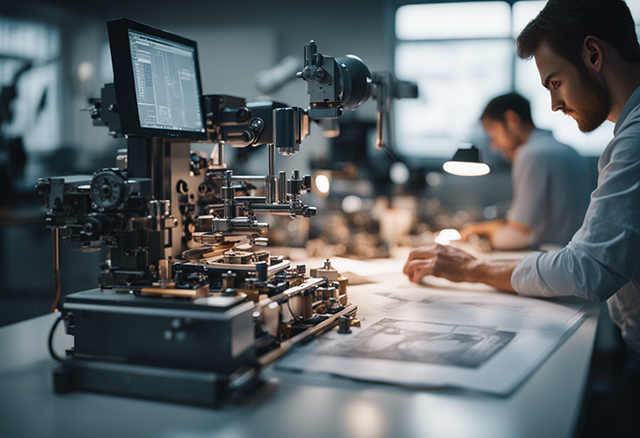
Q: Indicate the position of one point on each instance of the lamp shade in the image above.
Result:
(467, 162)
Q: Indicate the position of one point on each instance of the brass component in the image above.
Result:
(343, 282)
(322, 104)
(184, 293)
(285, 330)
(327, 271)
(164, 284)
(252, 294)
(307, 306)
(232, 257)
(355, 322)
(321, 308)
(204, 252)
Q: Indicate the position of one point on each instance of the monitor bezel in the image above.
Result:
(123, 78)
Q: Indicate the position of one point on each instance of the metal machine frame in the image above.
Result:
(188, 310)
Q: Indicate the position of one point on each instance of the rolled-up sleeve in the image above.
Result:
(589, 270)
(604, 255)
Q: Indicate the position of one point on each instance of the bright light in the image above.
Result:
(446, 236)
(351, 204)
(399, 173)
(85, 71)
(434, 179)
(366, 419)
(462, 168)
(454, 20)
(323, 185)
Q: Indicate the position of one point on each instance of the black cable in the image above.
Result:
(295, 318)
(50, 343)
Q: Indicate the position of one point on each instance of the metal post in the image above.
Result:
(270, 179)
(282, 187)
(271, 148)
(379, 130)
(55, 237)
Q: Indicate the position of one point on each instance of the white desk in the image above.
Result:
(548, 404)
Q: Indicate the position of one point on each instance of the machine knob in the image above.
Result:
(318, 74)
(262, 269)
(344, 325)
(182, 187)
(94, 226)
(108, 188)
(248, 136)
(242, 115)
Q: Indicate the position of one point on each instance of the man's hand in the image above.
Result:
(457, 265)
(441, 261)
(482, 229)
(468, 230)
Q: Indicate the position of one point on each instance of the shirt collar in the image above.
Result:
(537, 134)
(633, 102)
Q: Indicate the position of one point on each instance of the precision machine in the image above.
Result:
(188, 308)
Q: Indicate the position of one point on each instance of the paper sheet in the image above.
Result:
(471, 308)
(425, 337)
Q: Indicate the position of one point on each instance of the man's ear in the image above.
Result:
(593, 52)
(512, 119)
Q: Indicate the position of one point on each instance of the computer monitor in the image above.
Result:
(157, 81)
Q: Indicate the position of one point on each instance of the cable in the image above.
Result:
(295, 318)
(50, 343)
(55, 239)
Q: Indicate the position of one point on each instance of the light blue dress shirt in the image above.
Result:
(602, 261)
(550, 187)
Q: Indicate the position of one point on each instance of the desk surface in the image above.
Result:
(547, 404)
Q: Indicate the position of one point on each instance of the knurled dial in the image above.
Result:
(108, 189)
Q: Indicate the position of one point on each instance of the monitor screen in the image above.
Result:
(157, 82)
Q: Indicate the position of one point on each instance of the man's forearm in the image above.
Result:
(507, 237)
(496, 273)
(490, 226)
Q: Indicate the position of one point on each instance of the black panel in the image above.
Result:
(162, 120)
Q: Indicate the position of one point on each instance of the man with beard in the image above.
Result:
(588, 57)
(550, 180)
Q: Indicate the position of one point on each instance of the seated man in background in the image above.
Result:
(550, 180)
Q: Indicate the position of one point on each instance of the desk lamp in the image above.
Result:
(467, 162)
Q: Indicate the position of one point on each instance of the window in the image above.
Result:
(29, 56)
(462, 55)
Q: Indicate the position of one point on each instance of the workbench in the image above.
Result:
(548, 403)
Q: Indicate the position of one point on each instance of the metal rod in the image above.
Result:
(248, 178)
(270, 207)
(271, 148)
(270, 189)
(260, 199)
(282, 187)
(270, 180)
(379, 130)
(55, 238)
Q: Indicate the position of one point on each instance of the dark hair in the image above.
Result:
(564, 24)
(513, 101)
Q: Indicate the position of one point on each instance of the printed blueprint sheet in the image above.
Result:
(427, 337)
